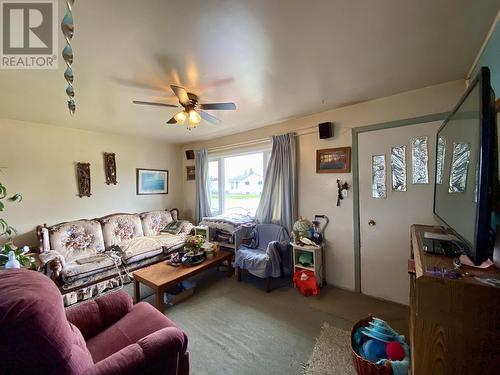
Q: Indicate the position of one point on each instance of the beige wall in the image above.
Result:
(317, 192)
(39, 163)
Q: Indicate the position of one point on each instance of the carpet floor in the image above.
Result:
(238, 329)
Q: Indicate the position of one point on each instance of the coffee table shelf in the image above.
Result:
(161, 276)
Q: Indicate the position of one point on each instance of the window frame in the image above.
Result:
(219, 158)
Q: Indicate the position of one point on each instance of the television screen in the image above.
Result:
(464, 168)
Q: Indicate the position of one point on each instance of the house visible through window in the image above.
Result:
(236, 181)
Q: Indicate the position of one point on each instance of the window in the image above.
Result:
(213, 175)
(236, 181)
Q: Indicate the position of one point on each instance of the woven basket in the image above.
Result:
(363, 366)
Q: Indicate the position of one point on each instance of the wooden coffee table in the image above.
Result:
(161, 275)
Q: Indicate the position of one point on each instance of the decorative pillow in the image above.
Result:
(118, 228)
(186, 228)
(76, 239)
(154, 221)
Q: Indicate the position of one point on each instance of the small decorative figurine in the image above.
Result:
(55, 266)
(340, 188)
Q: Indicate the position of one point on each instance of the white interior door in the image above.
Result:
(385, 222)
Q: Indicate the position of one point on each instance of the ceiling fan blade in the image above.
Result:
(154, 103)
(220, 106)
(208, 117)
(172, 121)
(181, 94)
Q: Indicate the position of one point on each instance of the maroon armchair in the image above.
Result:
(105, 336)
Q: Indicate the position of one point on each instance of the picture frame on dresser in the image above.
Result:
(151, 181)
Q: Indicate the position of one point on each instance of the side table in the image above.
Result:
(317, 264)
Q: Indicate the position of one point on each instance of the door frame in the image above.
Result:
(355, 178)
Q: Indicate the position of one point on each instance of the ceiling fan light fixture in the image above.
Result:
(189, 103)
(194, 117)
(180, 117)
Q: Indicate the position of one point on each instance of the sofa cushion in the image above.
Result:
(154, 221)
(77, 239)
(84, 267)
(141, 321)
(120, 227)
(137, 249)
(140, 248)
(171, 241)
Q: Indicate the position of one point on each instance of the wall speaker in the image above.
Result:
(189, 154)
(325, 130)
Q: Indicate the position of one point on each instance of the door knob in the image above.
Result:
(372, 223)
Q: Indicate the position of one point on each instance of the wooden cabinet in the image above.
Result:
(454, 324)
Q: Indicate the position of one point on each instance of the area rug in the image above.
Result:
(331, 354)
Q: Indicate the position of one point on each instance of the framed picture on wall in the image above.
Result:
(333, 160)
(190, 174)
(151, 181)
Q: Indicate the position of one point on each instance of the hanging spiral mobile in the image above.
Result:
(68, 29)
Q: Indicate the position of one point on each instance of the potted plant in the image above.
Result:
(194, 243)
(19, 254)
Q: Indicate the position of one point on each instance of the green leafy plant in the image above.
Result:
(7, 231)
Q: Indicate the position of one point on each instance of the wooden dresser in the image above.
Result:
(454, 324)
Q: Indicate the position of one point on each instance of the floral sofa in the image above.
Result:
(97, 254)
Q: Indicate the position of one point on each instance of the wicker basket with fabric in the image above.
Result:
(362, 365)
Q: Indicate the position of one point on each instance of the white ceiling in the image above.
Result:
(276, 59)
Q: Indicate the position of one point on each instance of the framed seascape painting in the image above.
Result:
(151, 181)
(333, 160)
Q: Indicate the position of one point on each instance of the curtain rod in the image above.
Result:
(259, 141)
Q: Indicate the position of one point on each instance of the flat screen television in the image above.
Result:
(466, 169)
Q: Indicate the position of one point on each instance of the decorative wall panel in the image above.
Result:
(110, 168)
(420, 160)
(398, 168)
(83, 178)
(379, 188)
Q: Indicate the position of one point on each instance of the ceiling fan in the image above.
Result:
(192, 111)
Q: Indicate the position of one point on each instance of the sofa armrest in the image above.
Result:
(92, 317)
(43, 238)
(159, 352)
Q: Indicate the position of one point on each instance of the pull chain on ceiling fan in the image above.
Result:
(192, 111)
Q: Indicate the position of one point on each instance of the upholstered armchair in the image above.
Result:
(105, 336)
(268, 254)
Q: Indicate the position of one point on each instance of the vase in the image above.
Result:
(12, 262)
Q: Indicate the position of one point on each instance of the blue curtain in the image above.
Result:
(277, 203)
(202, 208)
